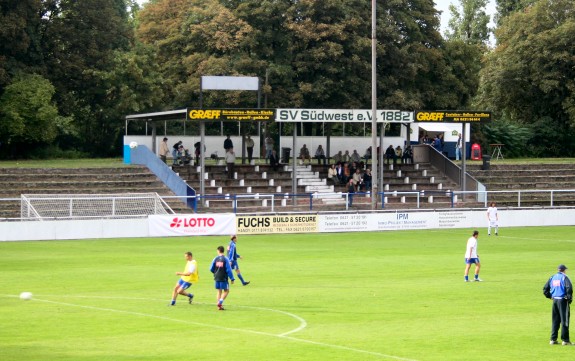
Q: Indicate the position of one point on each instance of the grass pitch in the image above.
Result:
(353, 296)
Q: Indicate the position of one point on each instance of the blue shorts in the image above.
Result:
(472, 260)
(183, 284)
(234, 265)
(222, 285)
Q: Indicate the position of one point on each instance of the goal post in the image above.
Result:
(126, 205)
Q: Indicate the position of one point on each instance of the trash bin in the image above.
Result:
(475, 152)
(285, 154)
(486, 162)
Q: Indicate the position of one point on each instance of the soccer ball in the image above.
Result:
(26, 296)
(134, 145)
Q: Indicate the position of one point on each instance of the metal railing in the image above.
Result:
(310, 202)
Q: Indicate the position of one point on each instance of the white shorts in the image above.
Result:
(493, 224)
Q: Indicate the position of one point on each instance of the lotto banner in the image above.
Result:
(192, 225)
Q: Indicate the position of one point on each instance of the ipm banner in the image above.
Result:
(192, 225)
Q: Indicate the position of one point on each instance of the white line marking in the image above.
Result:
(302, 322)
(282, 336)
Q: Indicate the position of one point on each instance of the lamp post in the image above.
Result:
(374, 157)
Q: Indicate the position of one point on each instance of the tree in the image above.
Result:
(20, 36)
(508, 7)
(469, 22)
(315, 53)
(28, 115)
(99, 28)
(530, 77)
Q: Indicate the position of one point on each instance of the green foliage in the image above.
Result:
(508, 7)
(28, 116)
(469, 22)
(515, 137)
(313, 53)
(530, 77)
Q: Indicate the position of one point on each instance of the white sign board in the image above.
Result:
(342, 115)
(230, 83)
(192, 225)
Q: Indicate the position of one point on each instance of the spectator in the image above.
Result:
(231, 162)
(274, 160)
(437, 144)
(350, 191)
(346, 157)
(390, 155)
(198, 152)
(269, 145)
(332, 175)
(304, 154)
(367, 180)
(338, 158)
(357, 179)
(367, 155)
(355, 157)
(407, 155)
(398, 153)
(175, 152)
(250, 147)
(228, 144)
(340, 175)
(164, 150)
(458, 147)
(346, 173)
(319, 154)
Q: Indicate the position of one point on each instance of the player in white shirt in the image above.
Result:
(471, 257)
(492, 219)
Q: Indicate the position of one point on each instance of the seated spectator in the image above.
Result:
(338, 158)
(319, 154)
(175, 149)
(407, 155)
(357, 179)
(346, 157)
(367, 180)
(304, 154)
(390, 154)
(346, 173)
(355, 157)
(332, 175)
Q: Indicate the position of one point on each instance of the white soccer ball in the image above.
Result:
(26, 296)
(134, 145)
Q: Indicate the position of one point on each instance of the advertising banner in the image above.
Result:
(192, 225)
(343, 115)
(452, 116)
(236, 115)
(277, 224)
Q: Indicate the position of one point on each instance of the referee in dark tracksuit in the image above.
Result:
(560, 290)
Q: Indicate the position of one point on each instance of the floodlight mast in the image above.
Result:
(374, 157)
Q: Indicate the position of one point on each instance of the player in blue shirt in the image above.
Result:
(233, 256)
(222, 271)
(560, 290)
